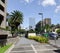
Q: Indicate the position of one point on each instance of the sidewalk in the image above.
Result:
(55, 43)
(13, 40)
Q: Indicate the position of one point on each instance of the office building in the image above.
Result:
(47, 21)
(32, 23)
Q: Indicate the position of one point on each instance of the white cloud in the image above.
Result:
(48, 2)
(28, 1)
(57, 9)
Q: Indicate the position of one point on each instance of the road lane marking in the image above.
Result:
(23, 51)
(41, 50)
(33, 48)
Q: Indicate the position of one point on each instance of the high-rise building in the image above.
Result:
(47, 21)
(3, 13)
(31, 23)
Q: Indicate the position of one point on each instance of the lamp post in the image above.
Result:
(42, 18)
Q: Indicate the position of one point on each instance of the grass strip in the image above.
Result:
(3, 49)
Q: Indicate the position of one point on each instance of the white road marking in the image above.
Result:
(33, 48)
(30, 46)
(22, 46)
(23, 51)
(36, 50)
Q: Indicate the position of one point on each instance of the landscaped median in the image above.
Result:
(3, 49)
(40, 39)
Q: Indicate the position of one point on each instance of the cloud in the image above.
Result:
(28, 1)
(57, 9)
(48, 2)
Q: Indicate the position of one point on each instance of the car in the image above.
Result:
(53, 35)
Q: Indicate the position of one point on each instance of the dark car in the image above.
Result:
(53, 36)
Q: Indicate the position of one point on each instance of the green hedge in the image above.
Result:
(40, 39)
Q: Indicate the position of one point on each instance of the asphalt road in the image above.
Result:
(30, 46)
(55, 42)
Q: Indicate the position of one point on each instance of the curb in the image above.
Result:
(9, 49)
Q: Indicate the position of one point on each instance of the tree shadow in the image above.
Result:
(57, 51)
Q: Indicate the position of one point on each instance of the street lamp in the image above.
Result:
(42, 18)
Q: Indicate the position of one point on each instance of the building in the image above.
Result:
(32, 23)
(47, 21)
(40, 24)
(3, 13)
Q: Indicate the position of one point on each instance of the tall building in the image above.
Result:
(31, 23)
(3, 13)
(47, 21)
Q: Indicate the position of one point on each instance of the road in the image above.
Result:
(30, 46)
(57, 42)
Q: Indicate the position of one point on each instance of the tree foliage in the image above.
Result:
(58, 31)
(15, 20)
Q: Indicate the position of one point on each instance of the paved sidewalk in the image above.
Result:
(30, 46)
(13, 40)
(57, 43)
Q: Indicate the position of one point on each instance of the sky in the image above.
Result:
(31, 8)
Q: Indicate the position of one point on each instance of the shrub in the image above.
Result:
(40, 39)
(31, 37)
(36, 38)
(43, 39)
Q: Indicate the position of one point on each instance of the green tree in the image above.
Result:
(47, 27)
(15, 20)
(58, 26)
(22, 31)
(52, 26)
(58, 31)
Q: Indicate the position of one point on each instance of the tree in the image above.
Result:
(58, 31)
(52, 26)
(21, 31)
(38, 27)
(47, 27)
(58, 26)
(15, 20)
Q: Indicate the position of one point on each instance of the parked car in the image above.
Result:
(53, 35)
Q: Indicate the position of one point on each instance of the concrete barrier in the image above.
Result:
(31, 34)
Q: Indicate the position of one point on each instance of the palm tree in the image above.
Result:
(15, 20)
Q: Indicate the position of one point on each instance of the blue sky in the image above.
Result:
(31, 8)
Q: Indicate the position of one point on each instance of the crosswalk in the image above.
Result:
(33, 48)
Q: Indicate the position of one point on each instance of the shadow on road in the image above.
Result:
(57, 51)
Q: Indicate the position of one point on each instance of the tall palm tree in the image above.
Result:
(15, 20)
(17, 17)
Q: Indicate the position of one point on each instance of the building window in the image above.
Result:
(1, 18)
(3, 1)
(1, 8)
